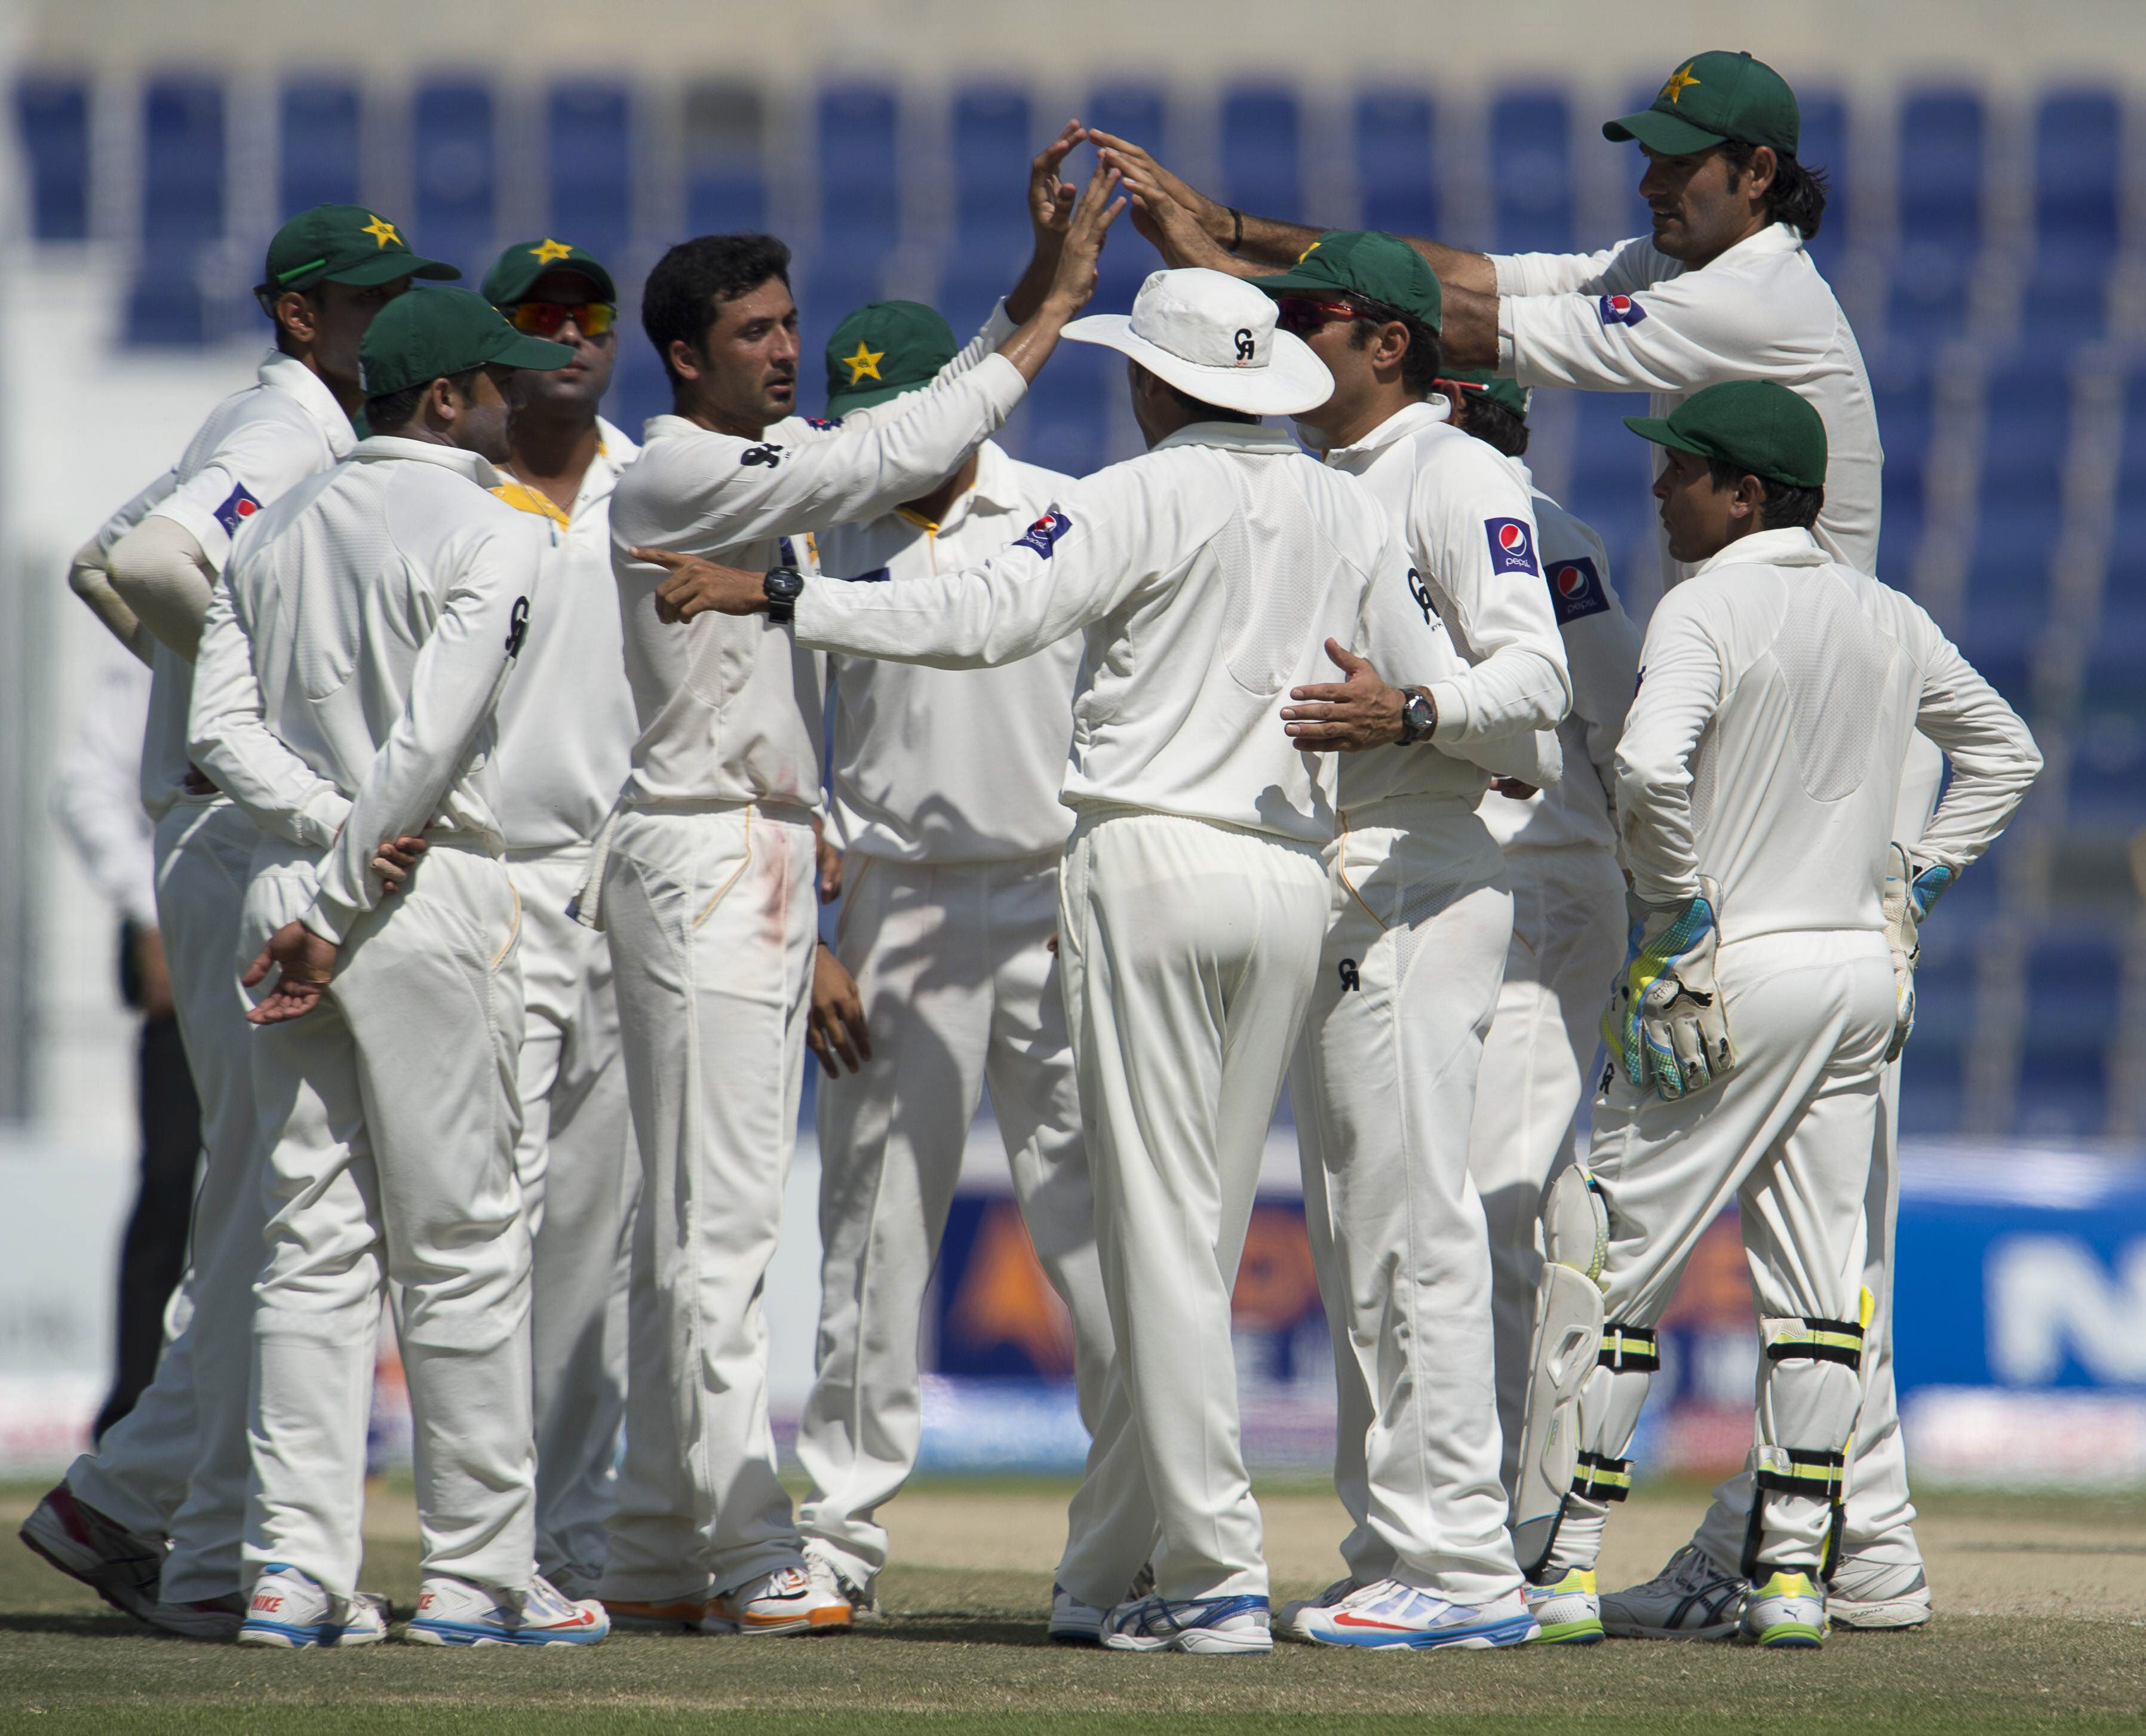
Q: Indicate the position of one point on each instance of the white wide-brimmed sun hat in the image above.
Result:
(1213, 336)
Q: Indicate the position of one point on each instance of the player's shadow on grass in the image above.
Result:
(92, 1627)
(955, 1627)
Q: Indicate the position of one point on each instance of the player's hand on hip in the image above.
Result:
(696, 587)
(1344, 716)
(395, 859)
(305, 961)
(836, 1034)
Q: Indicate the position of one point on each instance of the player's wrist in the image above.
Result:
(1417, 713)
(780, 589)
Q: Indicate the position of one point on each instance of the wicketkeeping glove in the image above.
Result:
(1911, 888)
(1665, 1021)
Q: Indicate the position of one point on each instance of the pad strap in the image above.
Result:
(1601, 1478)
(1817, 1340)
(1792, 1471)
(1629, 1350)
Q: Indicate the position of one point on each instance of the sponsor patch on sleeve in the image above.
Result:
(877, 576)
(238, 507)
(1512, 545)
(823, 423)
(1043, 534)
(1620, 311)
(1575, 589)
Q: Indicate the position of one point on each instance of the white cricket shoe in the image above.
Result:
(1877, 1594)
(1291, 1625)
(1387, 1613)
(455, 1612)
(1569, 1612)
(1688, 1599)
(1074, 1622)
(1220, 1626)
(1786, 1609)
(293, 1611)
(121, 1566)
(786, 1601)
(831, 1580)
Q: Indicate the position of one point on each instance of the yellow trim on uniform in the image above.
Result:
(1341, 863)
(523, 498)
(513, 934)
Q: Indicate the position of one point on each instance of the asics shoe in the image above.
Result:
(786, 1601)
(454, 1612)
(1569, 1612)
(1291, 1624)
(1864, 1594)
(831, 1580)
(677, 1615)
(1688, 1599)
(202, 1619)
(1787, 1609)
(1390, 1613)
(1074, 1622)
(1224, 1626)
(292, 1611)
(121, 1566)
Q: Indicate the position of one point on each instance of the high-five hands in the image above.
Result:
(1167, 213)
(1089, 220)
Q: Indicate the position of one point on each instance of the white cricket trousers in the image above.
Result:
(393, 1111)
(711, 918)
(1383, 1087)
(576, 1188)
(1788, 1136)
(176, 1463)
(1188, 951)
(960, 989)
(1567, 941)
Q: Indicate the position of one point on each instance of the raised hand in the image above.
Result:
(1074, 282)
(1050, 199)
(1156, 183)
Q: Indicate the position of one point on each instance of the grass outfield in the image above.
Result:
(2042, 1625)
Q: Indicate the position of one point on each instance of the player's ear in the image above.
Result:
(293, 311)
(686, 362)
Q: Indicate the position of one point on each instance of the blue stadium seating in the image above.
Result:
(1932, 1084)
(317, 145)
(860, 184)
(993, 135)
(2073, 985)
(2021, 494)
(1396, 162)
(455, 159)
(2064, 302)
(726, 185)
(1262, 151)
(1941, 173)
(2064, 1091)
(166, 310)
(1822, 143)
(1066, 424)
(1612, 469)
(2108, 783)
(831, 285)
(183, 162)
(1531, 172)
(1139, 114)
(1902, 391)
(52, 115)
(1931, 1072)
(2078, 156)
(589, 148)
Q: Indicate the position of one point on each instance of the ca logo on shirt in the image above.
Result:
(1043, 534)
(238, 507)
(1620, 311)
(1512, 546)
(771, 454)
(1575, 589)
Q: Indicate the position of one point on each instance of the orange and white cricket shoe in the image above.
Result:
(786, 1601)
(678, 1615)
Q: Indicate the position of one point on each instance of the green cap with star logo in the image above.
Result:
(433, 334)
(343, 244)
(1481, 382)
(1368, 263)
(517, 268)
(885, 349)
(1711, 98)
(1759, 426)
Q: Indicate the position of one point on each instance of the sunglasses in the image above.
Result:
(1303, 315)
(540, 319)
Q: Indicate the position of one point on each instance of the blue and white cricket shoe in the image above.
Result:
(1227, 1626)
(454, 1612)
(1390, 1613)
(293, 1610)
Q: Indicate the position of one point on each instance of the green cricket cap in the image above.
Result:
(432, 333)
(1481, 382)
(1758, 425)
(1713, 97)
(523, 264)
(885, 349)
(343, 244)
(1367, 262)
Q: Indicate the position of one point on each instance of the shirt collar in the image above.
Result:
(382, 447)
(288, 375)
(1409, 419)
(1774, 238)
(996, 489)
(1793, 548)
(1232, 436)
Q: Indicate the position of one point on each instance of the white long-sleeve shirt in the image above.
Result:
(565, 720)
(950, 764)
(1777, 692)
(1602, 656)
(1630, 319)
(1468, 526)
(254, 446)
(1208, 574)
(354, 653)
(96, 789)
(730, 708)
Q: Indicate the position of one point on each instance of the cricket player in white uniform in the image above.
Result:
(1211, 575)
(945, 788)
(705, 886)
(352, 660)
(1561, 849)
(1768, 983)
(565, 729)
(176, 1467)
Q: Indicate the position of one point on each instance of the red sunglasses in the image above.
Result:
(540, 319)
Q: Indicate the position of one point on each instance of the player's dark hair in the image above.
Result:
(1788, 507)
(679, 300)
(1199, 409)
(1489, 421)
(1798, 194)
(1421, 363)
(392, 410)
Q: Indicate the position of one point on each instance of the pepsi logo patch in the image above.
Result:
(1043, 534)
(823, 423)
(238, 507)
(1620, 311)
(1575, 589)
(1512, 545)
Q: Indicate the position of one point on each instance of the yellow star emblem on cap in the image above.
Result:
(549, 250)
(863, 365)
(382, 232)
(1678, 80)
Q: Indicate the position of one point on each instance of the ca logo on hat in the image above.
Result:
(548, 250)
(1678, 80)
(382, 232)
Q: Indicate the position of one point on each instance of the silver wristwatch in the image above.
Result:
(1419, 718)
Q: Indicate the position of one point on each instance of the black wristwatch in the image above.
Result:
(783, 585)
(1419, 718)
